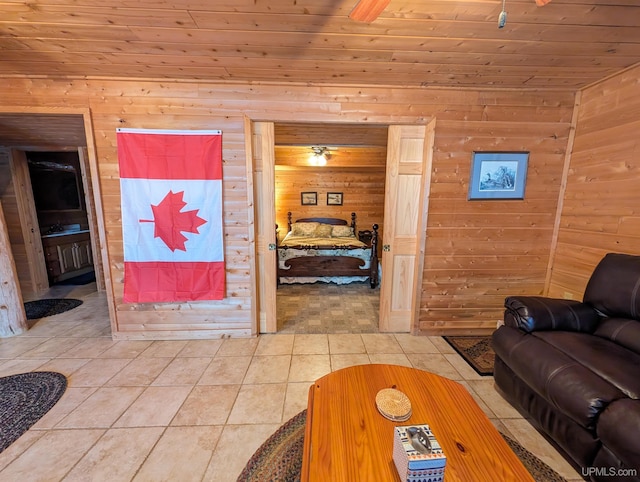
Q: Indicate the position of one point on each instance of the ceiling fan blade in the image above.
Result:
(542, 3)
(368, 10)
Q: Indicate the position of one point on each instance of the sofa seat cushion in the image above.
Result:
(614, 363)
(575, 390)
(618, 429)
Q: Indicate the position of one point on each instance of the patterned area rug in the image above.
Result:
(476, 350)
(280, 457)
(24, 399)
(49, 307)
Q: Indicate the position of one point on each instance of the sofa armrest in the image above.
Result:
(536, 313)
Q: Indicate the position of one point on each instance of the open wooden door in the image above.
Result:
(262, 151)
(409, 154)
(29, 221)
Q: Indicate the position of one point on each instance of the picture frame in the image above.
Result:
(334, 199)
(309, 198)
(498, 175)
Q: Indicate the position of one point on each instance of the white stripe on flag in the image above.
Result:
(139, 242)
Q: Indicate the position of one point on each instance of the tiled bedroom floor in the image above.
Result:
(196, 410)
(328, 308)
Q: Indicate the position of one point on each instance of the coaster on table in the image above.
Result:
(393, 404)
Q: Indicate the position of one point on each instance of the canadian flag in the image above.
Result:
(171, 195)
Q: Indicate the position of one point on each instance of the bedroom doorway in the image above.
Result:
(329, 173)
(409, 153)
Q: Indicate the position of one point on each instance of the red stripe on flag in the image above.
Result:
(165, 282)
(169, 156)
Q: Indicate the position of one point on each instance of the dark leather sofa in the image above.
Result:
(573, 369)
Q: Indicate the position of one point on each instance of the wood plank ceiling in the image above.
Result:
(348, 146)
(565, 44)
(47, 131)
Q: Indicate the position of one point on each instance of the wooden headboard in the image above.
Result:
(333, 221)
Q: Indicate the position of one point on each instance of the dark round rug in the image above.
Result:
(280, 457)
(49, 307)
(24, 399)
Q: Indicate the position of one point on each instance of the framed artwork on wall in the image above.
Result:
(498, 175)
(308, 198)
(334, 199)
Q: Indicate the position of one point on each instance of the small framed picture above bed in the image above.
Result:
(334, 199)
(309, 198)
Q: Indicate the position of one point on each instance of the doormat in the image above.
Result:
(280, 456)
(24, 399)
(83, 279)
(476, 351)
(49, 307)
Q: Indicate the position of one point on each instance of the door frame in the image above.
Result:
(260, 148)
(93, 200)
(264, 298)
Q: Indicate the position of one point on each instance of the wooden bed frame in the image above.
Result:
(330, 265)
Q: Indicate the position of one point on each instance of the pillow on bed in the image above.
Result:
(341, 231)
(303, 229)
(323, 231)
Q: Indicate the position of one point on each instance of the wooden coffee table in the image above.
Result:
(346, 438)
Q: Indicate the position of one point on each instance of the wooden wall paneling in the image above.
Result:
(601, 202)
(253, 229)
(479, 252)
(235, 219)
(563, 190)
(363, 193)
(463, 252)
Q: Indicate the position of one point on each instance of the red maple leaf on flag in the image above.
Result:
(171, 222)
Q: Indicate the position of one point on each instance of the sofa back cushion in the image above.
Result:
(614, 286)
(623, 331)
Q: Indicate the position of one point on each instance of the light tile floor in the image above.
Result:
(196, 410)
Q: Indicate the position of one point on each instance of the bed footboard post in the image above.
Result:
(353, 223)
(373, 266)
(289, 221)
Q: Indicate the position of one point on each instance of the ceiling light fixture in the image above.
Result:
(319, 156)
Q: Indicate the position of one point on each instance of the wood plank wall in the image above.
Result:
(601, 206)
(476, 252)
(362, 193)
(355, 171)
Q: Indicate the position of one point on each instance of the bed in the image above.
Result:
(327, 250)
